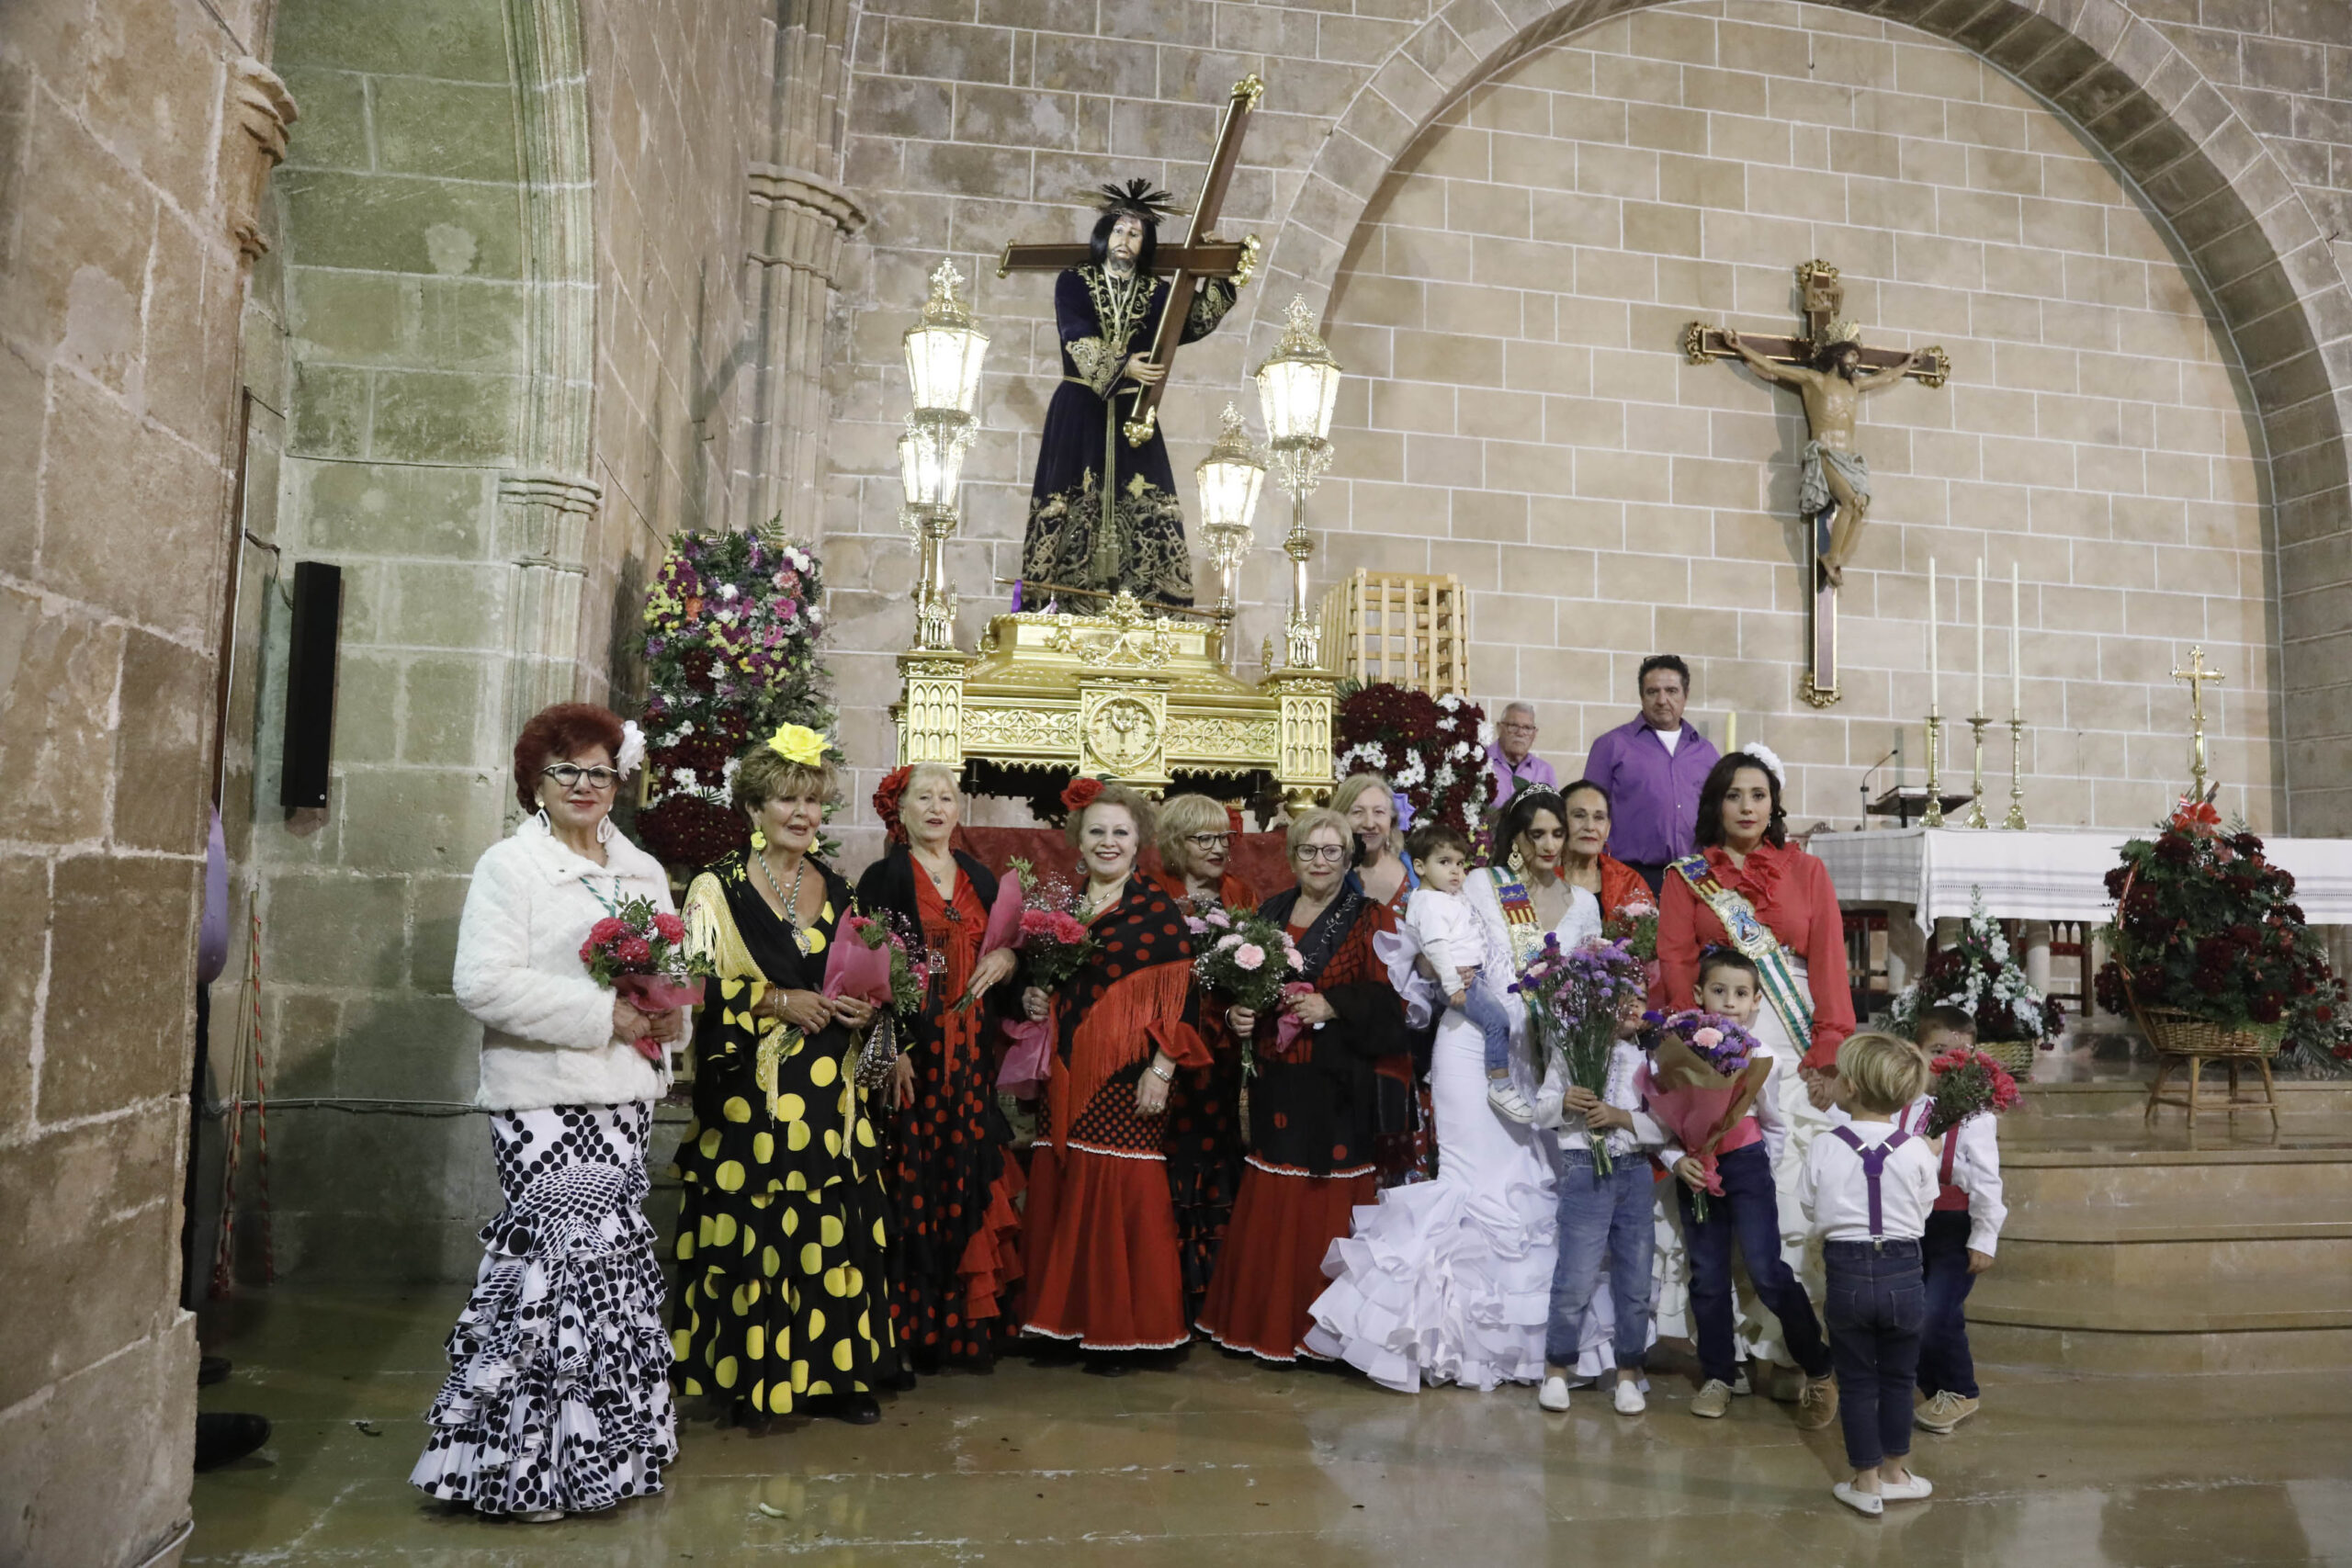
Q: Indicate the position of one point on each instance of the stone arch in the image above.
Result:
(2260, 254)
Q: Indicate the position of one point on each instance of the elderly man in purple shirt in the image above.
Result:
(1652, 768)
(1512, 756)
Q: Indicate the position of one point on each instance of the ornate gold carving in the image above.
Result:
(1023, 730)
(1123, 732)
(1201, 738)
(1133, 639)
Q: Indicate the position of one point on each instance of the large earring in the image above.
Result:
(759, 841)
(542, 815)
(1518, 862)
(604, 829)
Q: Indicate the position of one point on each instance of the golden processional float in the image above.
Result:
(1144, 693)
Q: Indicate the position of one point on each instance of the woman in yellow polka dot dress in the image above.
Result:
(782, 1303)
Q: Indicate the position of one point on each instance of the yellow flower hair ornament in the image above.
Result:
(799, 743)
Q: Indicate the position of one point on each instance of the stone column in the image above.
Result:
(808, 217)
(543, 523)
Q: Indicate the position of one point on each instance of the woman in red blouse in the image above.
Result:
(1744, 843)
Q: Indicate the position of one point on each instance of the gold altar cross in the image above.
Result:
(2197, 675)
(1822, 298)
(1186, 264)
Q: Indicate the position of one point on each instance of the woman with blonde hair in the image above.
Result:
(1317, 1104)
(1383, 871)
(557, 1399)
(1103, 1246)
(1196, 836)
(943, 1158)
(782, 1226)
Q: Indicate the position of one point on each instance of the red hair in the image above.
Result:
(564, 731)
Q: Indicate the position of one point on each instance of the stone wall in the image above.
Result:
(974, 122)
(131, 147)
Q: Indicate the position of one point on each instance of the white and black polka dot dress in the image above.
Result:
(559, 1389)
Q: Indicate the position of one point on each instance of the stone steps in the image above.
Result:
(2127, 1098)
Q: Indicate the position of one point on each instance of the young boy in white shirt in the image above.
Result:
(1602, 1218)
(1868, 1189)
(1441, 921)
(1962, 1233)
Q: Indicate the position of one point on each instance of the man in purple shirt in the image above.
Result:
(1652, 768)
(1512, 756)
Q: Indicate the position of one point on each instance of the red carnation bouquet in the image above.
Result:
(1703, 1076)
(1054, 944)
(640, 951)
(1966, 1081)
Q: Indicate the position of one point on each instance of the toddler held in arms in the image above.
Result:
(1441, 921)
(1869, 1187)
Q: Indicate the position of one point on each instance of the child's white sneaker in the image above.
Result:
(1629, 1399)
(1504, 1096)
(1909, 1491)
(1861, 1502)
(1555, 1396)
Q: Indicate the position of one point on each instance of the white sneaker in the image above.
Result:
(1504, 1096)
(1869, 1503)
(1555, 1396)
(1629, 1399)
(541, 1516)
(1910, 1491)
(1740, 1386)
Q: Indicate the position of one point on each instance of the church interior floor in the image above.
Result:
(1218, 1460)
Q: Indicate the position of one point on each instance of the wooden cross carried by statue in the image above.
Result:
(1829, 367)
(1186, 264)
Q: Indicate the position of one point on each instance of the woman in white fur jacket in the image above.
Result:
(557, 1399)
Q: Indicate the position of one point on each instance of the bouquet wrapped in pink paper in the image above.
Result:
(640, 951)
(1054, 945)
(1703, 1076)
(873, 963)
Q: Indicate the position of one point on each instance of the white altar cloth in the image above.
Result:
(2043, 873)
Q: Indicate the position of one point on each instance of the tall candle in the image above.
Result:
(2016, 672)
(1935, 614)
(1731, 732)
(1980, 635)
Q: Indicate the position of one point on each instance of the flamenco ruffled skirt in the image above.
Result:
(1271, 1270)
(559, 1389)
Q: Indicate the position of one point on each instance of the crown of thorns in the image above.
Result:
(1138, 199)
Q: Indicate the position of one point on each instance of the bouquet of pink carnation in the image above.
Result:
(1703, 1075)
(1573, 1002)
(883, 963)
(1635, 925)
(640, 951)
(1054, 944)
(1966, 1081)
(1248, 958)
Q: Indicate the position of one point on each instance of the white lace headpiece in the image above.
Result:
(1772, 759)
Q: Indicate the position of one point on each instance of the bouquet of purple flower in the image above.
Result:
(1575, 999)
(1702, 1078)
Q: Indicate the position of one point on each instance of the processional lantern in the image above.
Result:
(1230, 478)
(1299, 388)
(944, 352)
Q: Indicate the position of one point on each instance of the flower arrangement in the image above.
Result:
(1248, 958)
(1635, 925)
(1574, 1001)
(883, 963)
(2205, 925)
(1704, 1073)
(731, 629)
(1965, 1082)
(1053, 942)
(1979, 974)
(1431, 749)
(640, 951)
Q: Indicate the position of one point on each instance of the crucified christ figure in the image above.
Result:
(1833, 474)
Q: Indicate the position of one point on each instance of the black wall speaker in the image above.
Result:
(310, 685)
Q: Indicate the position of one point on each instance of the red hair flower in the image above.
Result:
(885, 801)
(1078, 793)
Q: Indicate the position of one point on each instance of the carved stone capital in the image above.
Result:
(259, 110)
(812, 214)
(543, 519)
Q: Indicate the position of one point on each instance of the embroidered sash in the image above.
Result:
(1755, 940)
(1522, 924)
(1873, 1165)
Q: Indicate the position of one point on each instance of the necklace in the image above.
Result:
(791, 900)
(1087, 907)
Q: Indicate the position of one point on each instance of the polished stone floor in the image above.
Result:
(1220, 1462)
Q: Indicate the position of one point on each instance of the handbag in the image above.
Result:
(880, 1053)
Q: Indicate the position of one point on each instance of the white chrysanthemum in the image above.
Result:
(632, 755)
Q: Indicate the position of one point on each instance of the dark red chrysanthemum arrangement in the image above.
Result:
(1433, 751)
(2205, 925)
(732, 627)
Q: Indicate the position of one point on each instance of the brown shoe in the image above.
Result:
(1713, 1402)
(1944, 1412)
(1817, 1405)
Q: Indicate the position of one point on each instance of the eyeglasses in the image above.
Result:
(1208, 841)
(569, 775)
(1322, 851)
(1515, 727)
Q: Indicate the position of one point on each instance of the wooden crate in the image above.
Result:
(1406, 627)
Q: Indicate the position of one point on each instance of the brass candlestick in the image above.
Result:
(1975, 818)
(2016, 819)
(1934, 816)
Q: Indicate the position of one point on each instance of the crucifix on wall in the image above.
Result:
(1830, 369)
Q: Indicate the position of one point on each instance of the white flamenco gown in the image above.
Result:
(1450, 1280)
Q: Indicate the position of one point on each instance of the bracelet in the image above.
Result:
(1168, 1076)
